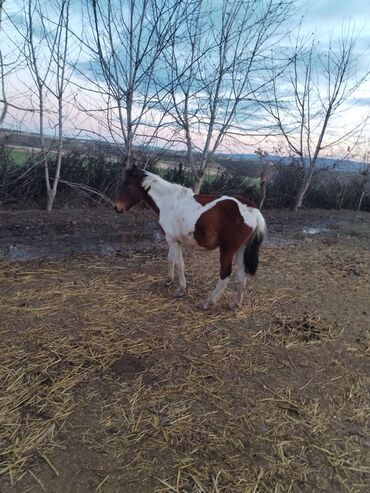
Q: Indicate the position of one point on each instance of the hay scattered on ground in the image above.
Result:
(96, 356)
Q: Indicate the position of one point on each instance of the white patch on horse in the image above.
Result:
(216, 294)
(252, 217)
(178, 210)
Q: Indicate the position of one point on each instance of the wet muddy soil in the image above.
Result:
(35, 234)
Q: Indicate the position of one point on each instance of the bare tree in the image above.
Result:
(365, 178)
(309, 95)
(11, 49)
(8, 63)
(125, 42)
(2, 74)
(45, 50)
(58, 88)
(215, 73)
(263, 175)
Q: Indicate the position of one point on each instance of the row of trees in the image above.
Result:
(196, 74)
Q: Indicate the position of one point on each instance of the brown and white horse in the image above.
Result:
(230, 223)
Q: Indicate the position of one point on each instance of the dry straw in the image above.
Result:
(97, 355)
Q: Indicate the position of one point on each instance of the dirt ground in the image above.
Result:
(110, 384)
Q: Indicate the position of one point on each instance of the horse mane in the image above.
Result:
(151, 180)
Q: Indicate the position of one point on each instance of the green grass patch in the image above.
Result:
(19, 156)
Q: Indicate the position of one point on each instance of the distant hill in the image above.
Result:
(323, 162)
(245, 164)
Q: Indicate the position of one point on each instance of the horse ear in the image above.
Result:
(135, 171)
(129, 162)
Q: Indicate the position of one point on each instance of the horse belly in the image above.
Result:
(185, 232)
(179, 229)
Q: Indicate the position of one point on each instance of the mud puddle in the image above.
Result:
(35, 235)
(53, 248)
(315, 230)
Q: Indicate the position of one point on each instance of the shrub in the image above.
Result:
(26, 183)
(20, 183)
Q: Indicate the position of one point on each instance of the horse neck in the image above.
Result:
(162, 193)
(151, 203)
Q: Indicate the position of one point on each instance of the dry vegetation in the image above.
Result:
(109, 384)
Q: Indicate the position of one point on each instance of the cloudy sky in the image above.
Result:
(323, 17)
(326, 17)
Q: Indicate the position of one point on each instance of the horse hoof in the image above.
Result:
(203, 306)
(179, 293)
(234, 305)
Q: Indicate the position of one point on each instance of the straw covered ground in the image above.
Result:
(109, 384)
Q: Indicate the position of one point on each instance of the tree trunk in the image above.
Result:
(365, 182)
(262, 182)
(50, 201)
(304, 187)
(301, 194)
(53, 192)
(198, 184)
(2, 82)
(42, 145)
(360, 201)
(263, 193)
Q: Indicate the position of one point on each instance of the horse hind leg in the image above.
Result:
(241, 278)
(247, 262)
(226, 259)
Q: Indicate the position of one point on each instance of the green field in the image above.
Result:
(20, 156)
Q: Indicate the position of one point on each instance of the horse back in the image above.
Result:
(205, 199)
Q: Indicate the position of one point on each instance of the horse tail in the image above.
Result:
(251, 252)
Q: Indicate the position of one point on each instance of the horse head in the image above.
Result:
(130, 191)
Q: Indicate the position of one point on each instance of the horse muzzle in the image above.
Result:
(119, 209)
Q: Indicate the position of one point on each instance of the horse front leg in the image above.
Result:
(180, 291)
(171, 264)
(175, 259)
(226, 260)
